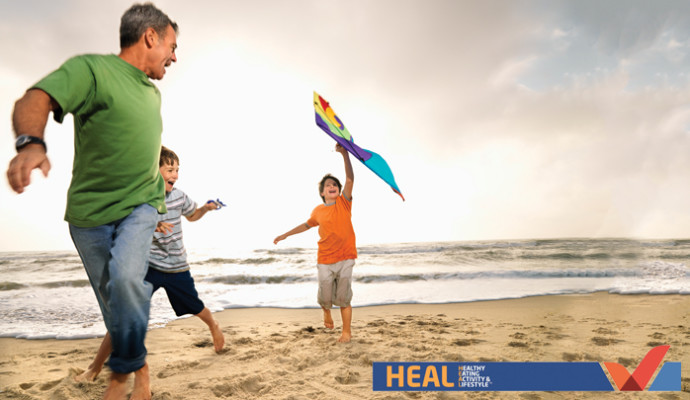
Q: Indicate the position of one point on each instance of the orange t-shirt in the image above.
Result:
(337, 237)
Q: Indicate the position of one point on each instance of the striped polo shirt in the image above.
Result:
(167, 249)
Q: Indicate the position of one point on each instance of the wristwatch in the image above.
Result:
(25, 140)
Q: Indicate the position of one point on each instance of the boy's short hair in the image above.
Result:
(323, 183)
(168, 157)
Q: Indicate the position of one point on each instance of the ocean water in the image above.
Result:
(47, 295)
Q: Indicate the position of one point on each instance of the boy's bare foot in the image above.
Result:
(345, 337)
(89, 375)
(327, 319)
(142, 384)
(117, 389)
(346, 313)
(218, 338)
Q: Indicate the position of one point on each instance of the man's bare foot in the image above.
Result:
(117, 389)
(327, 319)
(89, 375)
(218, 338)
(345, 337)
(142, 384)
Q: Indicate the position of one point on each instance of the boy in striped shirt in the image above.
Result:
(168, 267)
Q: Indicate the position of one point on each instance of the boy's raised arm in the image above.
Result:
(349, 173)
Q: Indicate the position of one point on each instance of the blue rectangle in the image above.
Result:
(492, 376)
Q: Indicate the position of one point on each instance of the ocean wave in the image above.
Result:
(61, 261)
(652, 271)
(671, 243)
(672, 256)
(256, 280)
(390, 250)
(74, 283)
(464, 253)
(441, 247)
(580, 256)
(52, 298)
(11, 286)
(574, 273)
(664, 270)
(239, 261)
(5, 286)
(287, 251)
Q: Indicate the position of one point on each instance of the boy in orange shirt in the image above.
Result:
(337, 248)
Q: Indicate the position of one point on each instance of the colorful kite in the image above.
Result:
(334, 127)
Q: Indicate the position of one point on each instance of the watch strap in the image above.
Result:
(25, 140)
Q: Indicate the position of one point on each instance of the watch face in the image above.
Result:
(22, 140)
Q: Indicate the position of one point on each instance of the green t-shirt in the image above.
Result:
(117, 137)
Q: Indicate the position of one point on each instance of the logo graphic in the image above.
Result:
(667, 379)
(527, 376)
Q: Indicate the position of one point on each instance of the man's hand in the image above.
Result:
(29, 117)
(29, 158)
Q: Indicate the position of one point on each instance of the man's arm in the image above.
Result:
(29, 118)
(349, 173)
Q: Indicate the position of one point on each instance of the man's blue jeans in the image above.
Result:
(115, 257)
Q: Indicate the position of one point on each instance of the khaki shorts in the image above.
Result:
(335, 284)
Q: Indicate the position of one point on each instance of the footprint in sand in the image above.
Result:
(603, 341)
(520, 341)
(466, 342)
(50, 385)
(243, 341)
(580, 357)
(604, 331)
(203, 343)
(347, 378)
(176, 368)
(660, 340)
(379, 322)
(239, 387)
(252, 385)
(278, 338)
(223, 390)
(657, 335)
(628, 362)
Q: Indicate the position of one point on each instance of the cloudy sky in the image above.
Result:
(500, 119)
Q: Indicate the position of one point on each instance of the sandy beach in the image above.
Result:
(288, 354)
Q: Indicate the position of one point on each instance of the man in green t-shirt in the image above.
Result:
(116, 190)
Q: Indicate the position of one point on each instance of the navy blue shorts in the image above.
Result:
(180, 289)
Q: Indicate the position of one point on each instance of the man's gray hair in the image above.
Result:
(140, 17)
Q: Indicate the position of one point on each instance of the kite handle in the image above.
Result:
(219, 204)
